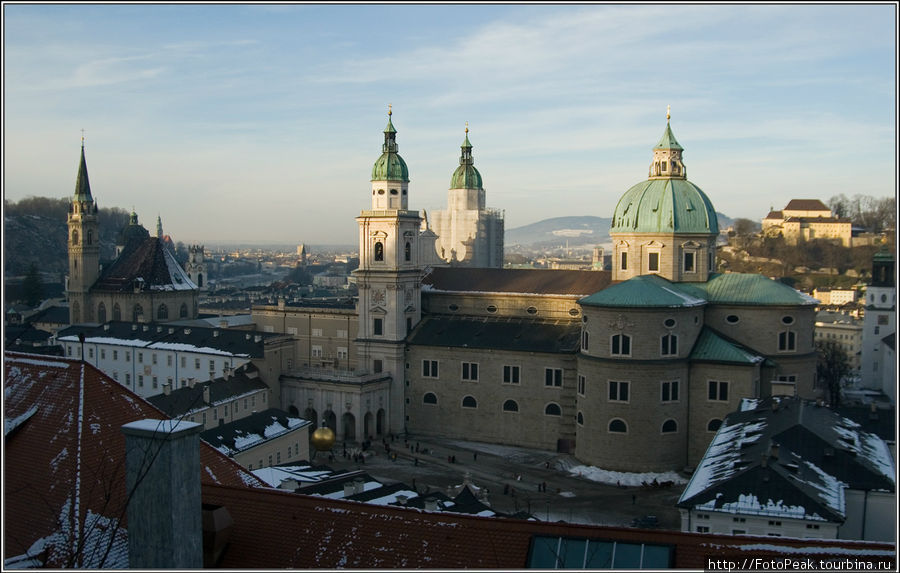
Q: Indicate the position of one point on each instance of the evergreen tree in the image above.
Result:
(33, 287)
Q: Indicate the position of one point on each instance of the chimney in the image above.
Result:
(257, 338)
(145, 328)
(360, 484)
(158, 328)
(167, 388)
(215, 333)
(401, 499)
(206, 394)
(162, 460)
(133, 328)
(431, 504)
(106, 326)
(349, 489)
(171, 330)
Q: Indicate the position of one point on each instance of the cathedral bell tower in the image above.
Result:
(389, 275)
(83, 246)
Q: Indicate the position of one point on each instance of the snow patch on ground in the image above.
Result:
(624, 478)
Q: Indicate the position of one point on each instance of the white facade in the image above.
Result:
(730, 523)
(880, 321)
(144, 367)
(843, 329)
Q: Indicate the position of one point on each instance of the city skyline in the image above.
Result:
(195, 112)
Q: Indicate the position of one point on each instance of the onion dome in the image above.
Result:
(666, 202)
(390, 166)
(466, 176)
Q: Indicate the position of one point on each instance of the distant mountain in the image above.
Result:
(577, 230)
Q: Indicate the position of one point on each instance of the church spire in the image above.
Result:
(82, 184)
(159, 229)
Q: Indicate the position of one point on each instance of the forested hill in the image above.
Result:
(35, 232)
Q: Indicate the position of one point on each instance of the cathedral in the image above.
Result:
(143, 284)
(632, 369)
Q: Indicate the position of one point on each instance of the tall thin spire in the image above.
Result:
(82, 184)
(159, 229)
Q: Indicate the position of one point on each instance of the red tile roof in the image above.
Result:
(69, 456)
(531, 281)
(277, 529)
(806, 205)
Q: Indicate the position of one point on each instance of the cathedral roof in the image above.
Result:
(466, 175)
(390, 166)
(667, 202)
(147, 265)
(649, 291)
(516, 281)
(497, 333)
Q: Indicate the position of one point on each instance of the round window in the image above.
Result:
(884, 298)
(732, 319)
(573, 312)
(669, 322)
(787, 319)
(381, 191)
(531, 310)
(491, 308)
(584, 318)
(393, 191)
(453, 307)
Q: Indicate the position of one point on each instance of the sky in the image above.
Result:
(261, 123)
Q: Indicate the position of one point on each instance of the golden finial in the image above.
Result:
(467, 128)
(668, 112)
(389, 110)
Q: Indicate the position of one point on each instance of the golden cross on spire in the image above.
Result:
(668, 112)
(467, 127)
(389, 110)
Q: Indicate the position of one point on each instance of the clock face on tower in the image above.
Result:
(378, 296)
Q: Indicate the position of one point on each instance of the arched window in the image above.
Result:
(90, 237)
(584, 339)
(713, 425)
(162, 313)
(137, 313)
(429, 398)
(183, 312)
(469, 402)
(552, 409)
(669, 345)
(117, 312)
(101, 313)
(510, 406)
(620, 345)
(580, 419)
(669, 426)
(379, 251)
(407, 253)
(200, 280)
(74, 236)
(618, 426)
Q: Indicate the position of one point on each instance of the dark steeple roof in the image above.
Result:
(82, 184)
(147, 265)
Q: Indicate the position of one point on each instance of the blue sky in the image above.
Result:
(261, 123)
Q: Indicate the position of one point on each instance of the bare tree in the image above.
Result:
(832, 366)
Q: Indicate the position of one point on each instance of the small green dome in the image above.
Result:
(466, 175)
(665, 206)
(390, 166)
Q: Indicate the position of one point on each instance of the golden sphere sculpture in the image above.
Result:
(323, 439)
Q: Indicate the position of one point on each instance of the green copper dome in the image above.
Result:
(665, 206)
(466, 176)
(666, 202)
(390, 166)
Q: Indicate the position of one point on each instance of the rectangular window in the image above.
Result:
(584, 339)
(127, 356)
(102, 354)
(292, 330)
(169, 360)
(341, 333)
(115, 375)
(140, 380)
(787, 341)
(624, 261)
(670, 391)
(377, 366)
(669, 345)
(115, 354)
(127, 379)
(470, 371)
(718, 391)
(621, 345)
(155, 383)
(510, 374)
(429, 369)
(69, 350)
(317, 351)
(154, 358)
(689, 262)
(140, 357)
(197, 363)
(618, 391)
(581, 384)
(702, 529)
(184, 361)
(90, 352)
(553, 377)
(377, 327)
(317, 332)
(212, 365)
(342, 352)
(883, 319)
(653, 262)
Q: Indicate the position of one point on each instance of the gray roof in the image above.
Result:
(190, 398)
(500, 333)
(519, 281)
(251, 431)
(818, 454)
(168, 337)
